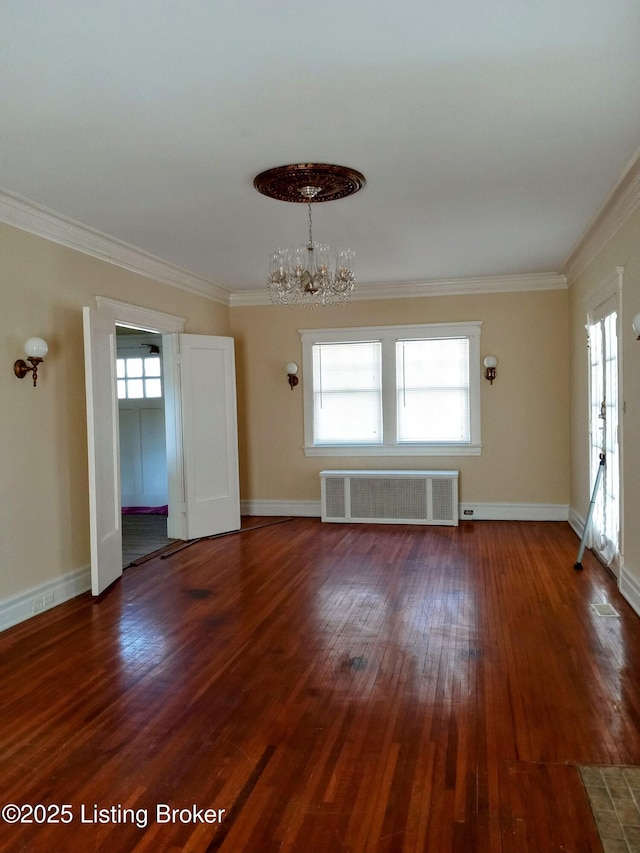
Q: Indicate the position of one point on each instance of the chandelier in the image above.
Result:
(302, 275)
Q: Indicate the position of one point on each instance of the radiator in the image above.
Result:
(390, 497)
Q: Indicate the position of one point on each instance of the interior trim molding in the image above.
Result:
(514, 512)
(621, 203)
(38, 599)
(391, 450)
(28, 216)
(303, 509)
(139, 317)
(481, 511)
(440, 287)
(576, 522)
(629, 587)
(36, 219)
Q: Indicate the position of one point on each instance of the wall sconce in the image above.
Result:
(490, 362)
(36, 349)
(292, 369)
(636, 325)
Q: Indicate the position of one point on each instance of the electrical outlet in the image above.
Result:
(468, 512)
(39, 604)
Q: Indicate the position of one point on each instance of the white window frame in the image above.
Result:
(388, 335)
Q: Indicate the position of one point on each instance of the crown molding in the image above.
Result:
(621, 203)
(36, 219)
(441, 287)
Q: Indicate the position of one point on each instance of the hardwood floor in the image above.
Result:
(332, 688)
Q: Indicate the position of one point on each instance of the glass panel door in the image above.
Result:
(603, 349)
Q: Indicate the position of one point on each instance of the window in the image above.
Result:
(432, 384)
(389, 391)
(347, 387)
(139, 377)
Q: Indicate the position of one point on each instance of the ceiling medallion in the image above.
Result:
(301, 275)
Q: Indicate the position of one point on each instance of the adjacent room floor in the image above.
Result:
(142, 535)
(301, 686)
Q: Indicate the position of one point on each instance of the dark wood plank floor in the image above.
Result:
(333, 688)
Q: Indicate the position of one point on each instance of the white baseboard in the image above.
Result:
(32, 602)
(513, 512)
(307, 509)
(629, 586)
(481, 511)
(577, 522)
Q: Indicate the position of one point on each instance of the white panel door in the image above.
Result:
(209, 435)
(102, 433)
(143, 453)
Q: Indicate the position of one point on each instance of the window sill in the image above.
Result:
(394, 450)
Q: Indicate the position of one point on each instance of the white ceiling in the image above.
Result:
(490, 133)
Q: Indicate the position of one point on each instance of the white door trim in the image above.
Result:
(112, 313)
(137, 317)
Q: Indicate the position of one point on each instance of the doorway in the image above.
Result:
(143, 454)
(201, 432)
(604, 419)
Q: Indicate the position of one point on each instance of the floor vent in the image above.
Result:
(390, 497)
(605, 610)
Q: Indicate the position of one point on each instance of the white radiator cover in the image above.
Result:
(390, 497)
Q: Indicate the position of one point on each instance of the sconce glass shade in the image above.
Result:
(491, 361)
(36, 348)
(636, 325)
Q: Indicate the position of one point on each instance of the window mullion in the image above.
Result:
(389, 393)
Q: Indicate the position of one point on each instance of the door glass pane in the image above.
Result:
(135, 388)
(134, 367)
(603, 349)
(152, 366)
(153, 388)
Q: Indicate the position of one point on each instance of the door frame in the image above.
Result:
(168, 325)
(610, 289)
(129, 346)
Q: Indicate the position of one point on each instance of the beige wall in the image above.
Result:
(534, 417)
(622, 250)
(44, 528)
(525, 414)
